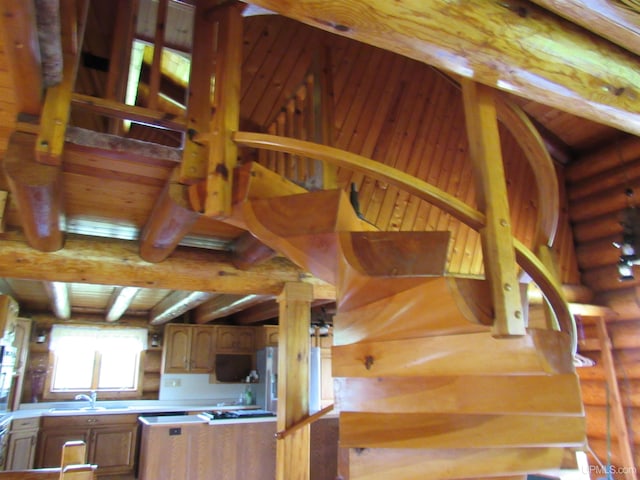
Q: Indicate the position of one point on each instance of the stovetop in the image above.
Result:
(231, 414)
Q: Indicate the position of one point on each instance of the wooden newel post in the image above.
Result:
(293, 451)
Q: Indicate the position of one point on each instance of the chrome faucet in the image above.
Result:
(89, 398)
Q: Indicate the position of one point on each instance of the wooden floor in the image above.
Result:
(130, 476)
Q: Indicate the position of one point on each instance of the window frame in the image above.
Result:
(103, 394)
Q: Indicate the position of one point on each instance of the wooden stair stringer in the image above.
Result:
(407, 335)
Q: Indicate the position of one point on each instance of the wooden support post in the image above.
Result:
(626, 455)
(158, 47)
(292, 454)
(120, 58)
(57, 105)
(193, 167)
(223, 151)
(491, 191)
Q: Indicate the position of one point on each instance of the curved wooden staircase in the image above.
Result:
(423, 386)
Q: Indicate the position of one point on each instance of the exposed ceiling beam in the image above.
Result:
(512, 45)
(176, 304)
(58, 294)
(116, 262)
(225, 305)
(613, 22)
(120, 301)
(37, 191)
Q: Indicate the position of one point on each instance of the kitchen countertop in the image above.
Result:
(120, 407)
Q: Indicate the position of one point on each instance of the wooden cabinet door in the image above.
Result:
(203, 344)
(272, 336)
(177, 352)
(113, 448)
(51, 441)
(22, 450)
(235, 339)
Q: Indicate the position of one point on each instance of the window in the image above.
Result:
(94, 358)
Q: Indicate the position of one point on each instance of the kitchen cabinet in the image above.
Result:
(21, 342)
(110, 438)
(23, 437)
(8, 317)
(189, 348)
(266, 336)
(232, 339)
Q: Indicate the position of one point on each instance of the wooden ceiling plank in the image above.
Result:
(225, 305)
(116, 262)
(37, 191)
(57, 104)
(223, 151)
(23, 53)
(177, 303)
(119, 302)
(58, 293)
(516, 47)
(491, 192)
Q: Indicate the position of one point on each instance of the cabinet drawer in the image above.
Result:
(88, 420)
(19, 424)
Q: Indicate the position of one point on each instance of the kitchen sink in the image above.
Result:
(84, 409)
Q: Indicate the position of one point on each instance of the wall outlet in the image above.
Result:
(172, 382)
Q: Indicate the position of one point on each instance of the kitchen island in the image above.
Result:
(192, 447)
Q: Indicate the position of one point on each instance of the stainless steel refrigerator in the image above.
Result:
(267, 387)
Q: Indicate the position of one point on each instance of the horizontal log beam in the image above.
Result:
(175, 304)
(225, 305)
(515, 46)
(37, 191)
(116, 262)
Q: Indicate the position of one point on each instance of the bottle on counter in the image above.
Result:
(248, 396)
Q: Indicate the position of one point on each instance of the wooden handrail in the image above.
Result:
(549, 286)
(304, 422)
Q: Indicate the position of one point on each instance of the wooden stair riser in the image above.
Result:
(540, 352)
(427, 430)
(420, 464)
(531, 395)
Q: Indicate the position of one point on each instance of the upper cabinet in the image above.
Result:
(235, 339)
(189, 348)
(266, 336)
